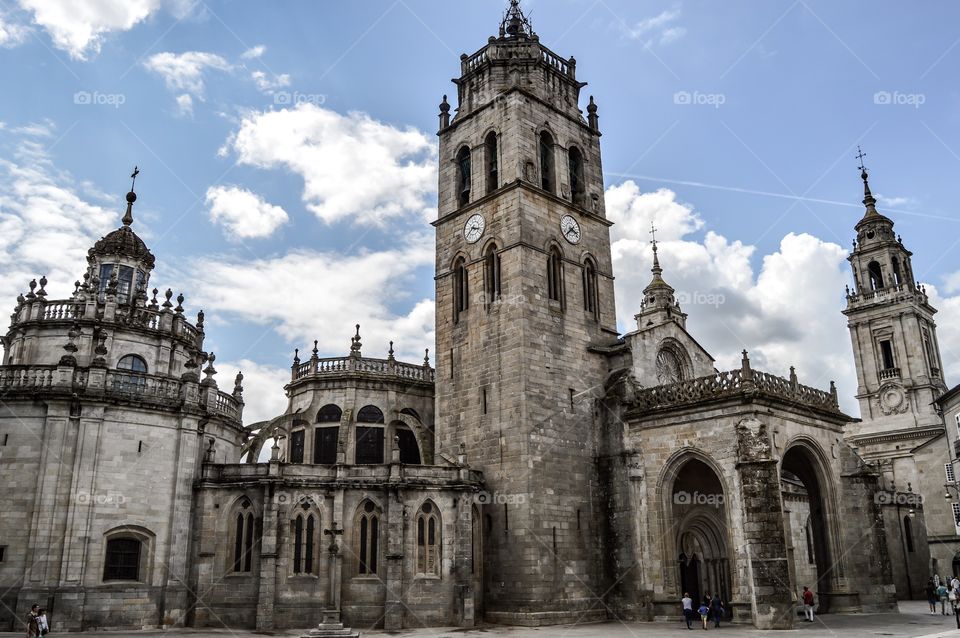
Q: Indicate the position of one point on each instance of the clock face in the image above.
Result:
(570, 229)
(473, 229)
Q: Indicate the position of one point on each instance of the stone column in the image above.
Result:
(268, 559)
(764, 550)
(393, 605)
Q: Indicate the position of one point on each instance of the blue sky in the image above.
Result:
(287, 157)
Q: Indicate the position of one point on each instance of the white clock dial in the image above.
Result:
(473, 229)
(570, 229)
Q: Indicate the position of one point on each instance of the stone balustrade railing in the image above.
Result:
(362, 365)
(500, 50)
(101, 383)
(733, 383)
(304, 474)
(888, 294)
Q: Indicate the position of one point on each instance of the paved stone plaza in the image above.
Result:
(913, 622)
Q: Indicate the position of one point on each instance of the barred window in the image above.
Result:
(428, 540)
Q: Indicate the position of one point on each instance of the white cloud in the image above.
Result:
(263, 395)
(952, 283)
(948, 332)
(787, 314)
(184, 72)
(12, 33)
(79, 26)
(267, 83)
(254, 52)
(185, 104)
(46, 224)
(659, 29)
(353, 166)
(305, 295)
(243, 214)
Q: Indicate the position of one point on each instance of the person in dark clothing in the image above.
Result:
(716, 609)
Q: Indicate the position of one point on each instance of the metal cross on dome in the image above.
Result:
(133, 177)
(860, 156)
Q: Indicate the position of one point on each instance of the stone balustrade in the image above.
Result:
(338, 366)
(888, 294)
(733, 383)
(336, 474)
(119, 385)
(890, 373)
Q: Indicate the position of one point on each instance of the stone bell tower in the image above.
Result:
(897, 356)
(524, 289)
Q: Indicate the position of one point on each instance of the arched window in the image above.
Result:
(407, 442)
(491, 267)
(908, 533)
(547, 171)
(428, 540)
(575, 166)
(370, 414)
(244, 537)
(876, 275)
(490, 150)
(555, 276)
(897, 277)
(306, 533)
(329, 413)
(461, 289)
(122, 560)
(133, 363)
(590, 295)
(463, 176)
(367, 539)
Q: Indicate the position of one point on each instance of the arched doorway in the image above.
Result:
(699, 522)
(800, 474)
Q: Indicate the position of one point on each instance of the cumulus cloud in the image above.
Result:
(184, 72)
(305, 295)
(185, 104)
(79, 26)
(244, 215)
(353, 167)
(11, 33)
(659, 29)
(269, 83)
(254, 52)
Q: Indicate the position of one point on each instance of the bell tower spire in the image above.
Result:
(659, 301)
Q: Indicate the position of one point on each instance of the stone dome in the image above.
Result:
(125, 243)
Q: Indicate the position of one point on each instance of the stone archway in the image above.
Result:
(697, 524)
(802, 468)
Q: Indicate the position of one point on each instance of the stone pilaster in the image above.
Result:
(394, 608)
(268, 560)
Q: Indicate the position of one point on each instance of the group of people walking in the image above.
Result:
(37, 624)
(711, 608)
(943, 591)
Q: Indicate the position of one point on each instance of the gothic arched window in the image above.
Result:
(367, 538)
(244, 532)
(493, 162)
(461, 289)
(547, 171)
(876, 275)
(590, 295)
(555, 276)
(463, 176)
(575, 166)
(428, 540)
(306, 539)
(491, 266)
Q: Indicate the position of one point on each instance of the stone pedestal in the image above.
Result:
(331, 627)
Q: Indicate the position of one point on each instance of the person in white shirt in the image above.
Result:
(687, 603)
(42, 623)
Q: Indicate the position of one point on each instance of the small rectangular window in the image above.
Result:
(886, 353)
(948, 467)
(956, 514)
(484, 399)
(369, 445)
(296, 446)
(122, 560)
(3, 552)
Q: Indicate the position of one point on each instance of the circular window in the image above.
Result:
(368, 507)
(669, 369)
(427, 508)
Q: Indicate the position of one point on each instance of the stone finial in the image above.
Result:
(356, 344)
(426, 358)
(238, 387)
(70, 348)
(793, 376)
(32, 295)
(100, 350)
(444, 113)
(395, 452)
(833, 394)
(296, 356)
(390, 356)
(209, 372)
(179, 308)
(592, 117)
(153, 302)
(200, 321)
(86, 281)
(166, 304)
(43, 284)
(76, 288)
(746, 372)
(315, 353)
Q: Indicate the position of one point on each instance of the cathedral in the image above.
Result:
(540, 468)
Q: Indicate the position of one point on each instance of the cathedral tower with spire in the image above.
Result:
(524, 288)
